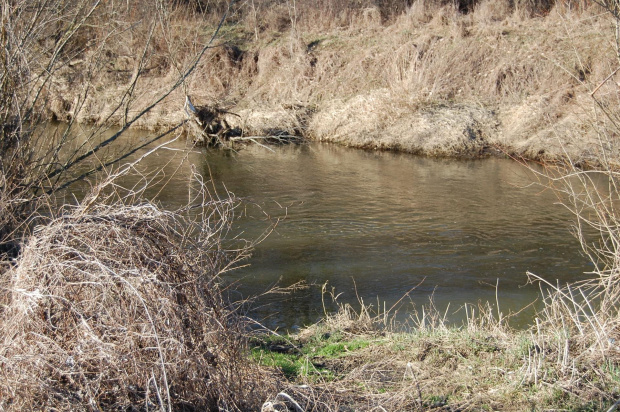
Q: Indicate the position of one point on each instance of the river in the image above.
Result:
(374, 225)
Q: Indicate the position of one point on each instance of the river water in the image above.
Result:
(373, 225)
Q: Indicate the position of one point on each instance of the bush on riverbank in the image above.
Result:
(114, 305)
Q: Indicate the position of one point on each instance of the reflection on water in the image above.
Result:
(374, 225)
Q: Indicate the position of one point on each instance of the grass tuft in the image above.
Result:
(115, 305)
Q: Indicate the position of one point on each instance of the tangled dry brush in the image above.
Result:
(118, 307)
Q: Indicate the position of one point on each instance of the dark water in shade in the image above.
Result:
(375, 224)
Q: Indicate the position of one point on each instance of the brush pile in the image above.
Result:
(118, 307)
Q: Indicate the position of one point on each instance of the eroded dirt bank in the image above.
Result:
(432, 80)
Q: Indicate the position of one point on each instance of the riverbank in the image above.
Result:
(354, 361)
(114, 303)
(431, 80)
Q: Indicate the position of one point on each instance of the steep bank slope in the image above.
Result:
(431, 81)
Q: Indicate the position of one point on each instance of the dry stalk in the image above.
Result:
(115, 305)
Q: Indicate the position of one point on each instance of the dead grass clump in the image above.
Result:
(118, 307)
(576, 333)
(276, 121)
(373, 121)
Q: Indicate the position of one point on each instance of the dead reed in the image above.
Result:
(116, 304)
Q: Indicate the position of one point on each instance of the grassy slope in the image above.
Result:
(431, 81)
(336, 365)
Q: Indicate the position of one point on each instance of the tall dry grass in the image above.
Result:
(431, 77)
(581, 322)
(116, 304)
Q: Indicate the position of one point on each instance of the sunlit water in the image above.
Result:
(374, 225)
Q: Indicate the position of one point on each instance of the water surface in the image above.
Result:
(375, 224)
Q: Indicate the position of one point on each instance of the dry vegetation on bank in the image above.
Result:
(435, 77)
(349, 361)
(116, 304)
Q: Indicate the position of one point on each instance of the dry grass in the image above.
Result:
(432, 78)
(114, 304)
(355, 362)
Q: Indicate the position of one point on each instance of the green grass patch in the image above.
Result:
(309, 360)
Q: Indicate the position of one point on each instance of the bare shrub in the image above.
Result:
(115, 304)
(580, 323)
(76, 61)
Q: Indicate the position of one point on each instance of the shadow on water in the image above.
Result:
(375, 224)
